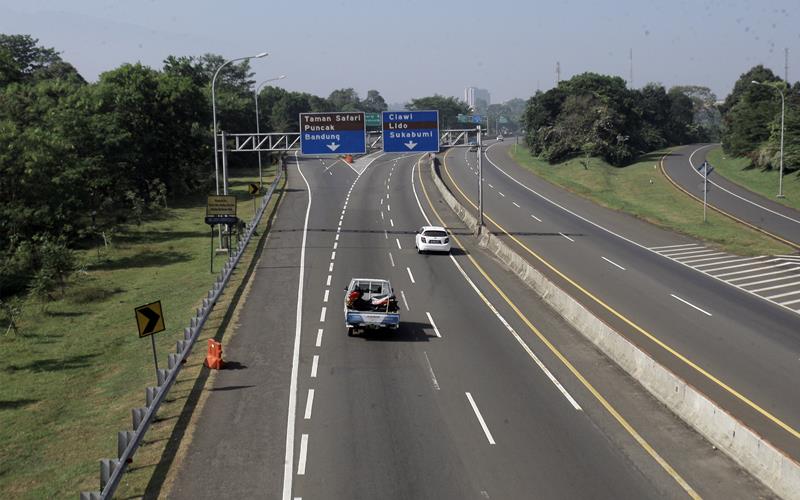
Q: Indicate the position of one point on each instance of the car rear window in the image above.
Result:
(435, 233)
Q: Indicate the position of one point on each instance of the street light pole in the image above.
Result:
(783, 109)
(480, 183)
(258, 129)
(214, 106)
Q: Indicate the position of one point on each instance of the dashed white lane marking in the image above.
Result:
(690, 304)
(398, 243)
(430, 369)
(501, 194)
(538, 219)
(322, 314)
(567, 237)
(337, 236)
(612, 262)
(328, 281)
(391, 258)
(335, 244)
(330, 268)
(325, 298)
(388, 208)
(301, 462)
(480, 418)
(410, 275)
(405, 302)
(333, 255)
(387, 196)
(318, 343)
(491, 186)
(382, 217)
(391, 222)
(515, 204)
(381, 201)
(385, 234)
(435, 330)
(309, 404)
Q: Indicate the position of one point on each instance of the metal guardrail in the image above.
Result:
(111, 470)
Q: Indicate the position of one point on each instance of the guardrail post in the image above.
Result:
(162, 377)
(172, 361)
(90, 495)
(107, 467)
(124, 438)
(187, 333)
(137, 417)
(150, 394)
(180, 346)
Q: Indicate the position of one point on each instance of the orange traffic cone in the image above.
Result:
(348, 158)
(214, 356)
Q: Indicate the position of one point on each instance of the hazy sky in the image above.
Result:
(413, 48)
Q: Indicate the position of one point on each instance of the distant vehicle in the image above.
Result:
(369, 303)
(500, 138)
(473, 146)
(432, 238)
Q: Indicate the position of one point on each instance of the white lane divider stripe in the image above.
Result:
(301, 461)
(391, 222)
(382, 217)
(480, 418)
(405, 302)
(333, 255)
(538, 219)
(515, 204)
(328, 281)
(430, 369)
(330, 268)
(319, 338)
(674, 246)
(309, 404)
(391, 258)
(690, 304)
(410, 275)
(325, 298)
(337, 235)
(435, 330)
(567, 237)
(388, 208)
(501, 194)
(322, 314)
(612, 262)
(775, 287)
(335, 245)
(780, 295)
(398, 243)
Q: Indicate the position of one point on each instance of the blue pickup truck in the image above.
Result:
(370, 303)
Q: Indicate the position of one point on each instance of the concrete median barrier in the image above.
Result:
(764, 461)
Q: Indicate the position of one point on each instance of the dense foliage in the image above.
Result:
(597, 115)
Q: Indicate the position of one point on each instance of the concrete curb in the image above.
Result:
(777, 471)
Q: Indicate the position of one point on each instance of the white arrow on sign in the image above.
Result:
(410, 144)
(333, 146)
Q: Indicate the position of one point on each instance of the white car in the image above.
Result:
(500, 138)
(432, 238)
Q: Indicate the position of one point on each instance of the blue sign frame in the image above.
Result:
(336, 133)
(411, 131)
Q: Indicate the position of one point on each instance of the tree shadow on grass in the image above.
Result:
(144, 259)
(16, 404)
(53, 364)
(653, 156)
(158, 236)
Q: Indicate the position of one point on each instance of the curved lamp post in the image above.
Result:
(214, 106)
(258, 129)
(783, 107)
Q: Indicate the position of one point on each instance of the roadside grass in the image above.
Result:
(642, 191)
(765, 183)
(76, 368)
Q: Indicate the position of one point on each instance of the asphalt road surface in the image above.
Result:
(470, 398)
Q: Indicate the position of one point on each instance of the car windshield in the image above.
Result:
(435, 232)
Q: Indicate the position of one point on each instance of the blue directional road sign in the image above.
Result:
(332, 133)
(411, 131)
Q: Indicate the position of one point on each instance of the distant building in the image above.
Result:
(477, 98)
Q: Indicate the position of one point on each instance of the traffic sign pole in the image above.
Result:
(155, 358)
(480, 183)
(705, 189)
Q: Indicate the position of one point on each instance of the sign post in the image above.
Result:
(333, 133)
(221, 210)
(150, 320)
(705, 169)
(411, 131)
(480, 183)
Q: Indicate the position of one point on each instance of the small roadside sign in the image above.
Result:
(221, 205)
(333, 133)
(252, 188)
(221, 219)
(705, 169)
(373, 119)
(149, 319)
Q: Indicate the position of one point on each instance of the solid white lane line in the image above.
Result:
(775, 287)
(612, 262)
(771, 297)
(690, 304)
(309, 404)
(435, 330)
(333, 255)
(298, 328)
(391, 258)
(410, 275)
(515, 204)
(494, 310)
(391, 222)
(301, 462)
(318, 343)
(538, 219)
(325, 298)
(430, 369)
(501, 194)
(674, 246)
(328, 281)
(398, 243)
(567, 237)
(480, 418)
(322, 314)
(330, 268)
(405, 302)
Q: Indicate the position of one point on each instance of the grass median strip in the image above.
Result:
(76, 368)
(640, 190)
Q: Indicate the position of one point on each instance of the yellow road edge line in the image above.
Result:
(611, 410)
(723, 212)
(630, 323)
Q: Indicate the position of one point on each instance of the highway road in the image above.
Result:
(475, 396)
(738, 348)
(681, 165)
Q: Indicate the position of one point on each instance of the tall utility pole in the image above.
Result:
(630, 79)
(786, 65)
(558, 73)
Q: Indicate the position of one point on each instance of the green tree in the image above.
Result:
(449, 108)
(344, 100)
(374, 102)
